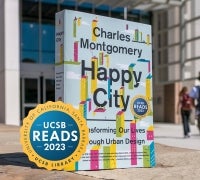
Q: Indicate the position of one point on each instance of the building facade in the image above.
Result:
(176, 56)
(27, 49)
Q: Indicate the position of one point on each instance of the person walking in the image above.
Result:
(195, 100)
(184, 104)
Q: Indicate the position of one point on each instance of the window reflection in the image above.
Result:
(50, 89)
(48, 44)
(31, 90)
(30, 42)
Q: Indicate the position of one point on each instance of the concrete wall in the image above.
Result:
(171, 92)
(9, 61)
(165, 103)
(158, 103)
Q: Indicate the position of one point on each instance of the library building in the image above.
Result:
(27, 49)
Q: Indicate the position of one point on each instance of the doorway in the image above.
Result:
(34, 91)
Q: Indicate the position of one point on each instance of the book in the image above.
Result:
(103, 67)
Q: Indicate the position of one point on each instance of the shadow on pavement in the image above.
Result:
(16, 159)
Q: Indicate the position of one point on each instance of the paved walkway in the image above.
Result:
(172, 163)
(172, 135)
(167, 134)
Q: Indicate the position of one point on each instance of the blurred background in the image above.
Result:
(27, 50)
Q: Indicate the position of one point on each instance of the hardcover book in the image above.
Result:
(103, 67)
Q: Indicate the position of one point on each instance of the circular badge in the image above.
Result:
(140, 106)
(54, 135)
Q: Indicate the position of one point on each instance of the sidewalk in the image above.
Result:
(172, 135)
(171, 162)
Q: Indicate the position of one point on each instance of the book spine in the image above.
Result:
(59, 56)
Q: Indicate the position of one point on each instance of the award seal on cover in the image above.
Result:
(140, 106)
(54, 135)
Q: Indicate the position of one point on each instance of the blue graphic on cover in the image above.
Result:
(56, 139)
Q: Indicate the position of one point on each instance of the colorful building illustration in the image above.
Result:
(152, 155)
(100, 109)
(72, 167)
(89, 104)
(101, 60)
(94, 24)
(94, 80)
(136, 35)
(140, 36)
(113, 161)
(109, 159)
(133, 137)
(121, 93)
(130, 68)
(109, 88)
(76, 51)
(150, 133)
(148, 39)
(148, 87)
(83, 108)
(149, 155)
(106, 162)
(74, 27)
(146, 61)
(120, 123)
(107, 59)
(79, 21)
(94, 158)
(149, 67)
(84, 88)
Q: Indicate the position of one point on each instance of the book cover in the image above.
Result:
(103, 67)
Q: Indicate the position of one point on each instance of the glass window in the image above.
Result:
(48, 44)
(50, 90)
(196, 47)
(102, 10)
(159, 58)
(50, 1)
(174, 72)
(68, 2)
(145, 18)
(27, 109)
(103, 7)
(30, 42)
(163, 74)
(196, 27)
(173, 35)
(48, 12)
(196, 6)
(173, 53)
(31, 90)
(159, 40)
(159, 21)
(133, 17)
(165, 56)
(30, 10)
(164, 38)
(189, 49)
